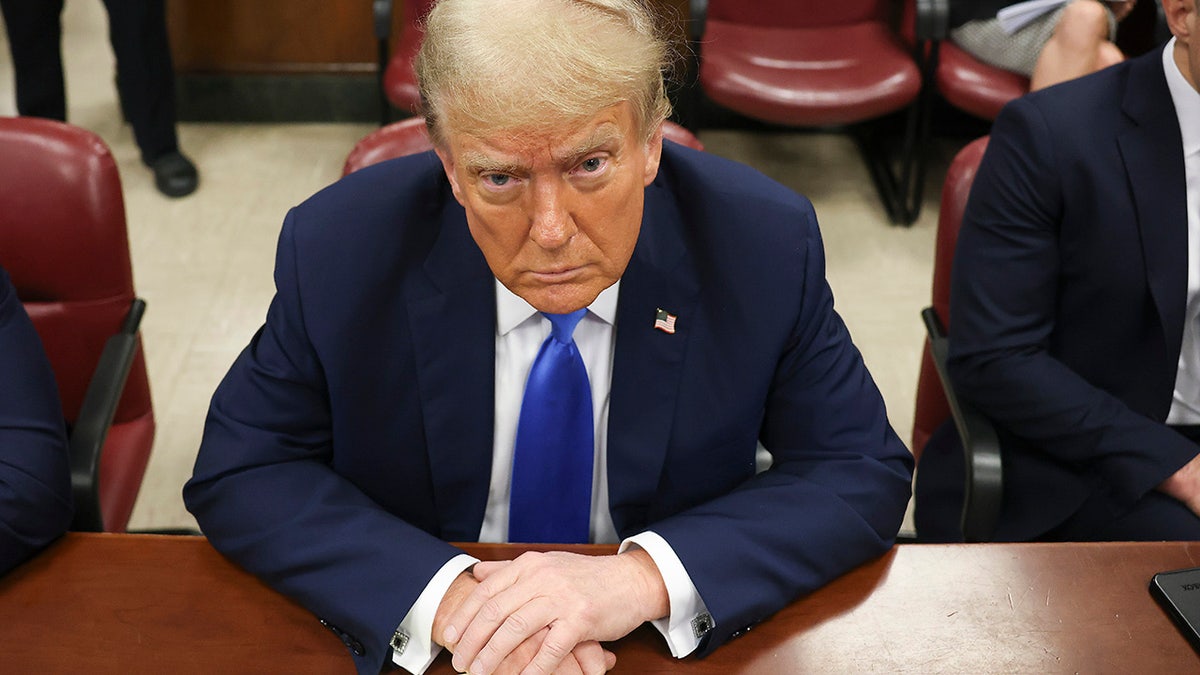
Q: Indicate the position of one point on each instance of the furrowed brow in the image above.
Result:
(602, 137)
(477, 162)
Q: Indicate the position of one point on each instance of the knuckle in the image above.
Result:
(491, 610)
(554, 649)
(516, 624)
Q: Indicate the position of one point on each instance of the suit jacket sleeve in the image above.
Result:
(35, 477)
(836, 492)
(1005, 301)
(265, 493)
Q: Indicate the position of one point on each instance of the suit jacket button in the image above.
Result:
(356, 647)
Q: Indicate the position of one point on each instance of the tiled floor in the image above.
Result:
(204, 262)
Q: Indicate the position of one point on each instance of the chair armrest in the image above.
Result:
(984, 479)
(933, 19)
(96, 416)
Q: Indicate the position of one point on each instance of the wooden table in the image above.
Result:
(103, 603)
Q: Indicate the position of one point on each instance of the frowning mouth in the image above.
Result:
(556, 275)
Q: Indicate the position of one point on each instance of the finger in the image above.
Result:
(520, 657)
(474, 612)
(484, 570)
(559, 643)
(522, 623)
(592, 658)
(470, 607)
(570, 666)
(466, 611)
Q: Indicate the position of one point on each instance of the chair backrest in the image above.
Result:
(795, 13)
(408, 137)
(399, 78)
(64, 243)
(931, 407)
(974, 86)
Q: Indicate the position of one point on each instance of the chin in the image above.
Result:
(560, 301)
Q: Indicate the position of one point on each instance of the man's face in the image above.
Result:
(555, 212)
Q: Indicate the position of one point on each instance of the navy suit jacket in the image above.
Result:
(353, 437)
(1068, 293)
(35, 477)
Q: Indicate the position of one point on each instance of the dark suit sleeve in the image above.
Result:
(35, 478)
(1004, 304)
(266, 495)
(836, 492)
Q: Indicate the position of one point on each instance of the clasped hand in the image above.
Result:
(547, 612)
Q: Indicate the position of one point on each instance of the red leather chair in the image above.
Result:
(936, 401)
(962, 80)
(409, 137)
(399, 80)
(63, 241)
(972, 85)
(815, 64)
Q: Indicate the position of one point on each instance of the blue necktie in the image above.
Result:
(551, 498)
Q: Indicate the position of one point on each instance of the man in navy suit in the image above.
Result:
(35, 478)
(1075, 304)
(375, 415)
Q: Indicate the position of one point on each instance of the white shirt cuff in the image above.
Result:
(688, 621)
(413, 648)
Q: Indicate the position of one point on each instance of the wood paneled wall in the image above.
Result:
(283, 36)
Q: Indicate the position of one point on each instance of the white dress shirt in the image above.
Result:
(520, 331)
(1185, 405)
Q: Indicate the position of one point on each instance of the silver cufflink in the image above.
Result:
(701, 624)
(399, 642)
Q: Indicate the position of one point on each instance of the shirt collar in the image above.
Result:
(1186, 99)
(512, 310)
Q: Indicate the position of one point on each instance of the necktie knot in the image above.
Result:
(562, 326)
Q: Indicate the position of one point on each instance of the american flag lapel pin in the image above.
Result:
(664, 321)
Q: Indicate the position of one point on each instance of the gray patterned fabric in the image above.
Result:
(987, 41)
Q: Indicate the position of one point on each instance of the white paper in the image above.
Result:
(1015, 17)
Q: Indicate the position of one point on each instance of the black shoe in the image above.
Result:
(175, 175)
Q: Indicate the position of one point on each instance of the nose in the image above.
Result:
(551, 223)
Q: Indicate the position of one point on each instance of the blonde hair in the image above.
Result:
(487, 66)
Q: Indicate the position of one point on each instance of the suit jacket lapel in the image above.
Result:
(1152, 151)
(452, 310)
(647, 361)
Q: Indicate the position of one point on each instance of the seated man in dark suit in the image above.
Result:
(396, 398)
(1075, 305)
(35, 477)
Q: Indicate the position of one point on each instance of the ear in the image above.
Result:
(447, 158)
(1176, 13)
(653, 155)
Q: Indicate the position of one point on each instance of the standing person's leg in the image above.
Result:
(146, 86)
(35, 40)
(1080, 45)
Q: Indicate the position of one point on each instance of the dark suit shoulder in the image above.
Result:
(389, 201)
(1107, 97)
(726, 199)
(373, 226)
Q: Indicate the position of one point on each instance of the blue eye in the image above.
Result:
(592, 164)
(497, 179)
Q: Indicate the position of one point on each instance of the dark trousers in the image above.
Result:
(145, 74)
